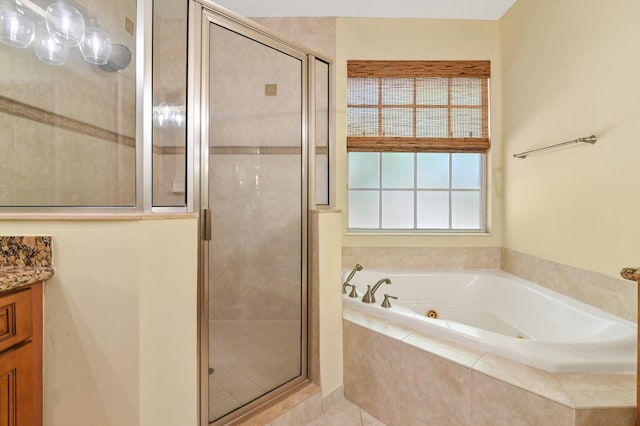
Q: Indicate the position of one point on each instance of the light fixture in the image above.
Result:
(16, 28)
(48, 50)
(168, 115)
(56, 29)
(119, 60)
(65, 23)
(96, 45)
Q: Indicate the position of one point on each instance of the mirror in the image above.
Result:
(67, 103)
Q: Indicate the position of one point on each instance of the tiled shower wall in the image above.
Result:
(254, 255)
(255, 180)
(239, 282)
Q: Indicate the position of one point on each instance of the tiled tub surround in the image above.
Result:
(404, 377)
(422, 257)
(614, 295)
(24, 260)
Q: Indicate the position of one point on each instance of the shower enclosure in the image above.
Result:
(255, 98)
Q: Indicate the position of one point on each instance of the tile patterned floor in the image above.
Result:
(249, 358)
(346, 414)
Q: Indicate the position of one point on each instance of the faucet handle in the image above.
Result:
(386, 303)
(353, 293)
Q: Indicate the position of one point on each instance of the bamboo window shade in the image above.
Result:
(418, 106)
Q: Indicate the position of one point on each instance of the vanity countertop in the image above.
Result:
(14, 277)
(24, 261)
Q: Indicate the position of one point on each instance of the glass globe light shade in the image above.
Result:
(162, 114)
(48, 50)
(96, 45)
(65, 24)
(16, 28)
(178, 118)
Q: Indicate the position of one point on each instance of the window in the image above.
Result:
(417, 137)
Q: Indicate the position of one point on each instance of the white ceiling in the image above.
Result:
(441, 9)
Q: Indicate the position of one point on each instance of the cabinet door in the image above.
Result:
(15, 318)
(16, 386)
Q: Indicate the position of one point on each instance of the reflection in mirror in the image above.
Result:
(169, 100)
(67, 125)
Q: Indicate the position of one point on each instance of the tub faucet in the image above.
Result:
(386, 303)
(356, 268)
(369, 296)
(354, 291)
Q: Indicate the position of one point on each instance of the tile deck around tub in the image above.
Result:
(579, 391)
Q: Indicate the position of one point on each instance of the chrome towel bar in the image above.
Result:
(588, 139)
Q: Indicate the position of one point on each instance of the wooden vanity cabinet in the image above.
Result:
(21, 356)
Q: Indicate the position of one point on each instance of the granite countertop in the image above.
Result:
(11, 278)
(24, 261)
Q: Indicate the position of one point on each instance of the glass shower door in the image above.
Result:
(257, 256)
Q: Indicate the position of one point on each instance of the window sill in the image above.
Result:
(382, 233)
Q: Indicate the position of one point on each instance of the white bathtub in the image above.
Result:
(500, 313)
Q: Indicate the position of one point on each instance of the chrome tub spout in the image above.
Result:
(369, 296)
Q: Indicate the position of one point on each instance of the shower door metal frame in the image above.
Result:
(202, 13)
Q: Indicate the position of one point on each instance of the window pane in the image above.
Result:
(432, 91)
(362, 122)
(445, 190)
(397, 91)
(465, 206)
(364, 209)
(466, 91)
(433, 209)
(466, 171)
(362, 91)
(432, 123)
(364, 170)
(397, 169)
(397, 121)
(433, 170)
(466, 122)
(397, 209)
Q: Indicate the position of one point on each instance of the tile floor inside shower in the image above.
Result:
(249, 358)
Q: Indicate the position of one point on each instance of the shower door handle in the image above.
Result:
(206, 224)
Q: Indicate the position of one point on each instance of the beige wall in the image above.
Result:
(120, 336)
(569, 69)
(330, 300)
(168, 339)
(420, 39)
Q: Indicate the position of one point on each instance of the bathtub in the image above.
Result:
(503, 314)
